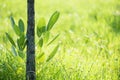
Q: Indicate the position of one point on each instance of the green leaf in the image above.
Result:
(46, 36)
(21, 25)
(39, 33)
(53, 39)
(41, 42)
(52, 54)
(41, 27)
(25, 43)
(10, 39)
(21, 39)
(21, 54)
(17, 30)
(53, 20)
(41, 55)
(14, 51)
(41, 58)
(20, 42)
(15, 27)
(41, 23)
(40, 30)
(12, 21)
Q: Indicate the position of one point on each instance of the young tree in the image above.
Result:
(30, 61)
(42, 29)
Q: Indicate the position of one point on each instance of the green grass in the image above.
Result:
(89, 37)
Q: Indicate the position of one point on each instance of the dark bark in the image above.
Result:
(30, 60)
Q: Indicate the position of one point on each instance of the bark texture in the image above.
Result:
(30, 59)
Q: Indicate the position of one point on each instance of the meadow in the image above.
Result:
(89, 40)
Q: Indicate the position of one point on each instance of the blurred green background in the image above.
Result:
(89, 36)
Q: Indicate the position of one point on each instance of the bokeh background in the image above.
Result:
(89, 40)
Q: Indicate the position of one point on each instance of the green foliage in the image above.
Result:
(42, 54)
(12, 22)
(42, 33)
(14, 51)
(21, 40)
(21, 25)
(46, 36)
(10, 39)
(53, 39)
(52, 54)
(15, 27)
(89, 36)
(53, 20)
(41, 42)
(41, 27)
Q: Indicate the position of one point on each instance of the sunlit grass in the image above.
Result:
(89, 38)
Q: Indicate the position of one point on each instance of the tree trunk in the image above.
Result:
(30, 59)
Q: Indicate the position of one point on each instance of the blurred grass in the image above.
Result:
(89, 36)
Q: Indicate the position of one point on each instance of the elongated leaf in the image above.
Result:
(21, 54)
(41, 30)
(41, 23)
(41, 27)
(38, 32)
(41, 58)
(14, 26)
(52, 54)
(46, 36)
(25, 43)
(41, 42)
(19, 46)
(41, 55)
(14, 51)
(12, 21)
(21, 39)
(10, 39)
(53, 39)
(53, 20)
(17, 30)
(21, 25)
(20, 42)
